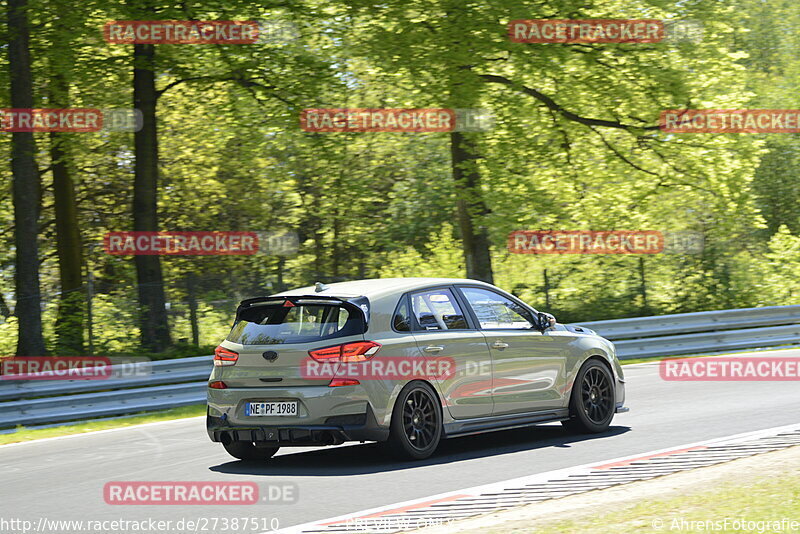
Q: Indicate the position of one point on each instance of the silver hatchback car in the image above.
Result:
(402, 361)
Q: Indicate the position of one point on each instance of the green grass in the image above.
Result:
(659, 358)
(27, 434)
(736, 353)
(775, 497)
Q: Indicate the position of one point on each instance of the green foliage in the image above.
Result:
(383, 204)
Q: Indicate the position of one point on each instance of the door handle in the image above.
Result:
(499, 345)
(433, 348)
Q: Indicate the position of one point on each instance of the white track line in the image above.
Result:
(534, 479)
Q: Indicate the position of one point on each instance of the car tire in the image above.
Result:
(416, 427)
(247, 450)
(592, 402)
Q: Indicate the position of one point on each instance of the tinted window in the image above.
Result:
(402, 319)
(495, 311)
(438, 310)
(275, 323)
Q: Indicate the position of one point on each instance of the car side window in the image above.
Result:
(494, 311)
(437, 309)
(402, 319)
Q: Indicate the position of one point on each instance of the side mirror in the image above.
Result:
(545, 321)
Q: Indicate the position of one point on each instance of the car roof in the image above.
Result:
(377, 287)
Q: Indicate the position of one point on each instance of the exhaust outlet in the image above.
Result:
(225, 438)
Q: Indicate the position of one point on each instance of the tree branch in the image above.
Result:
(554, 106)
(620, 155)
(229, 78)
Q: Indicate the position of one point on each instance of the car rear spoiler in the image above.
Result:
(352, 303)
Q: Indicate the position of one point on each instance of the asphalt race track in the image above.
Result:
(63, 479)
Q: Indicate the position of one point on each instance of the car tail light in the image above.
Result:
(326, 354)
(218, 384)
(223, 356)
(358, 351)
(337, 382)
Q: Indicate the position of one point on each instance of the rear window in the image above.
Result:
(437, 309)
(270, 324)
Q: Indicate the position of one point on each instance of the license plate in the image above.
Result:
(258, 409)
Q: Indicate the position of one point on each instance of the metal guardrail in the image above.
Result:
(167, 384)
(182, 382)
(685, 323)
(152, 373)
(701, 332)
(704, 342)
(100, 404)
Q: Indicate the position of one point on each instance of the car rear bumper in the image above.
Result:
(620, 400)
(336, 430)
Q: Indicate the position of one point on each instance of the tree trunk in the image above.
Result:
(69, 323)
(643, 287)
(336, 249)
(280, 284)
(26, 188)
(319, 245)
(5, 311)
(547, 306)
(471, 207)
(191, 292)
(89, 309)
(153, 324)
